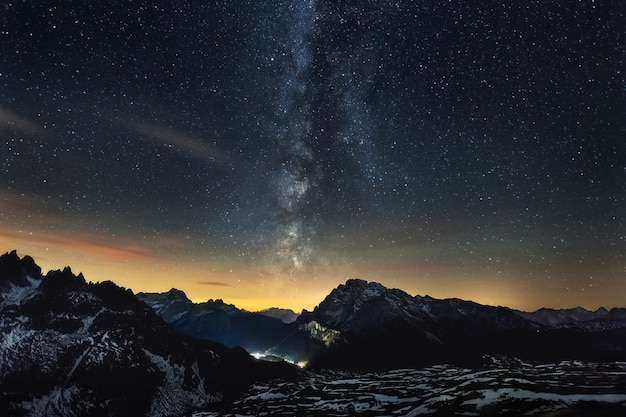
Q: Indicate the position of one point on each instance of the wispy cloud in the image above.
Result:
(162, 135)
(214, 283)
(17, 123)
(26, 220)
(77, 242)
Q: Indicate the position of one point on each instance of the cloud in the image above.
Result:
(162, 135)
(25, 220)
(214, 283)
(77, 242)
(13, 121)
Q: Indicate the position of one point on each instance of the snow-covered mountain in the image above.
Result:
(70, 348)
(553, 317)
(364, 325)
(217, 321)
(171, 305)
(283, 314)
(579, 319)
(358, 304)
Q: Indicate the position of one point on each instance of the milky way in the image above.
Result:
(263, 152)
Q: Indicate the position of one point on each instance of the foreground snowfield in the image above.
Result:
(503, 387)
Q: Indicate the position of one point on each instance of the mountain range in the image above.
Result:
(217, 321)
(72, 348)
(390, 328)
(364, 325)
(69, 347)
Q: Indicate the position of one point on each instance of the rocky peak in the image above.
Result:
(15, 270)
(359, 304)
(65, 280)
(602, 311)
(283, 314)
(176, 294)
(171, 305)
(347, 299)
(355, 292)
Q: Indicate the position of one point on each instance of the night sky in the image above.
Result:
(265, 151)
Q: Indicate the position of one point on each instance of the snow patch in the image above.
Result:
(173, 397)
(16, 295)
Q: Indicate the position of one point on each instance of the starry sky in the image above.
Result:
(264, 152)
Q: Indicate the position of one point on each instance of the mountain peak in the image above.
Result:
(60, 281)
(362, 288)
(172, 295)
(16, 270)
(358, 304)
(170, 305)
(175, 293)
(283, 314)
(353, 293)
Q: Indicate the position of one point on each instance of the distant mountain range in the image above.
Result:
(69, 347)
(217, 321)
(364, 325)
(285, 315)
(573, 317)
(387, 328)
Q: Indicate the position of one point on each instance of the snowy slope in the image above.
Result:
(283, 314)
(499, 387)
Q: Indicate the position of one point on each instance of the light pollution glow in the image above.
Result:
(158, 264)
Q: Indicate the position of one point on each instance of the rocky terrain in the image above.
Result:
(499, 387)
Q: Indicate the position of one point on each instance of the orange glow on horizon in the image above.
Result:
(137, 265)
